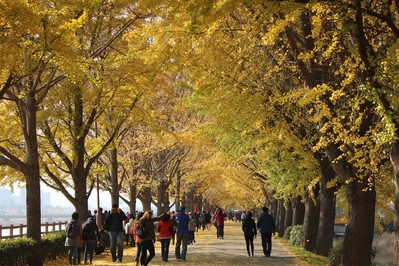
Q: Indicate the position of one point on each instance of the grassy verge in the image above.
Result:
(305, 257)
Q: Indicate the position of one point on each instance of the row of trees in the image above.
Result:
(304, 93)
(86, 94)
(229, 103)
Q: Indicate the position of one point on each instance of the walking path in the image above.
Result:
(208, 250)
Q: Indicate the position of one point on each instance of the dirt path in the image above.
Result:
(208, 250)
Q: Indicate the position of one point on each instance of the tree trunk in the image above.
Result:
(288, 215)
(273, 207)
(190, 201)
(178, 195)
(132, 197)
(199, 202)
(310, 224)
(163, 197)
(327, 211)
(395, 163)
(114, 176)
(280, 218)
(78, 169)
(361, 199)
(146, 198)
(32, 176)
(298, 211)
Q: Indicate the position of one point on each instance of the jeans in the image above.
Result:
(181, 238)
(89, 248)
(73, 255)
(249, 241)
(138, 252)
(220, 229)
(191, 237)
(165, 243)
(116, 239)
(147, 245)
(267, 243)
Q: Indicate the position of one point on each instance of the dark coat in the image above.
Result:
(266, 223)
(249, 227)
(90, 229)
(114, 221)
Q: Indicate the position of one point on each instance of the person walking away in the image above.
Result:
(197, 221)
(266, 227)
(147, 241)
(90, 234)
(114, 225)
(73, 232)
(136, 238)
(173, 219)
(191, 229)
(220, 217)
(165, 229)
(131, 230)
(243, 216)
(126, 226)
(249, 228)
(182, 221)
(203, 220)
(208, 218)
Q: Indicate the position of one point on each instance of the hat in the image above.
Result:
(182, 208)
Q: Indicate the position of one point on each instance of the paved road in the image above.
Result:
(208, 250)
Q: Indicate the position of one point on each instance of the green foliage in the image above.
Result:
(287, 233)
(53, 245)
(335, 254)
(304, 255)
(16, 251)
(19, 251)
(296, 235)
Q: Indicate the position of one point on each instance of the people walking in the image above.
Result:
(114, 225)
(165, 229)
(90, 235)
(220, 217)
(182, 221)
(266, 227)
(203, 220)
(147, 241)
(173, 219)
(191, 229)
(208, 220)
(249, 228)
(73, 232)
(136, 238)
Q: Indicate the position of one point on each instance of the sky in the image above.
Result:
(58, 199)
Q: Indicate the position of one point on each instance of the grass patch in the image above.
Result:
(304, 257)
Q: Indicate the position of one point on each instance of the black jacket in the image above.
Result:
(249, 227)
(90, 229)
(114, 221)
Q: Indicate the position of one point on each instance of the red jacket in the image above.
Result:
(220, 218)
(165, 229)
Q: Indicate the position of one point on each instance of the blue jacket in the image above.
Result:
(266, 223)
(182, 221)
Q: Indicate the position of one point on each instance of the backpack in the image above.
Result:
(72, 230)
(142, 231)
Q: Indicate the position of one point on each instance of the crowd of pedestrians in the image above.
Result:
(141, 230)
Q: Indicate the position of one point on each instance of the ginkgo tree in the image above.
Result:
(326, 48)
